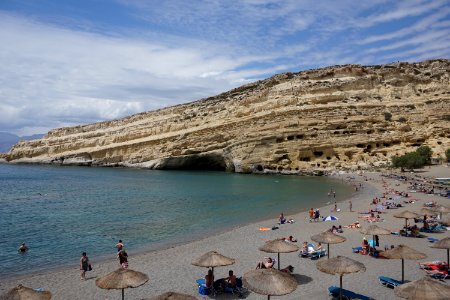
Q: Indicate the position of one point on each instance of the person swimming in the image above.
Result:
(23, 248)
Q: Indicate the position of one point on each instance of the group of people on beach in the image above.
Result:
(314, 215)
(86, 266)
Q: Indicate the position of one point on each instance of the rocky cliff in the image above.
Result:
(337, 117)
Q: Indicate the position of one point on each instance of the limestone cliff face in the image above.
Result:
(338, 117)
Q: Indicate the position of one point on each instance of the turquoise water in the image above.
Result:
(62, 211)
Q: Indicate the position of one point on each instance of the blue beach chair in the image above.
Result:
(432, 240)
(389, 282)
(346, 294)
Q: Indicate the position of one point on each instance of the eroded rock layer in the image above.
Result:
(338, 117)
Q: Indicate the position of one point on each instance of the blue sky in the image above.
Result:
(65, 63)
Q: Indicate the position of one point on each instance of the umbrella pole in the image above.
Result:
(123, 294)
(340, 287)
(278, 260)
(328, 250)
(403, 270)
(268, 297)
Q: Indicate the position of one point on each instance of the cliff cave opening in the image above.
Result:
(203, 162)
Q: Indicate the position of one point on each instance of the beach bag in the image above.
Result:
(90, 267)
(202, 290)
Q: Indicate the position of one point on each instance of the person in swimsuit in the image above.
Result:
(23, 248)
(84, 265)
(119, 246)
(123, 259)
(209, 279)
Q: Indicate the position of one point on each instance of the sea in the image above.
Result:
(62, 211)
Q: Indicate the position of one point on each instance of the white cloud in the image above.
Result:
(56, 73)
(420, 26)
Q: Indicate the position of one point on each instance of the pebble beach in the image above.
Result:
(171, 269)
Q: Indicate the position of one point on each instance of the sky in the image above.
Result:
(65, 63)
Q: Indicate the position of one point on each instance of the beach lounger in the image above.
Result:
(346, 294)
(318, 254)
(389, 282)
(437, 274)
(357, 249)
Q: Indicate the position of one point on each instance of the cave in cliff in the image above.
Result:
(205, 162)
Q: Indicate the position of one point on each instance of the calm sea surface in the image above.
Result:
(62, 211)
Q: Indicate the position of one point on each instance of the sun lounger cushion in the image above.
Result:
(389, 282)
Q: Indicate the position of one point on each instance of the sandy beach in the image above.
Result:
(171, 269)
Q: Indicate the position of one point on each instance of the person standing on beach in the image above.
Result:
(311, 214)
(335, 206)
(119, 246)
(350, 205)
(84, 265)
(123, 259)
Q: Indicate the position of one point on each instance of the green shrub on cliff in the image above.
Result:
(411, 161)
(425, 152)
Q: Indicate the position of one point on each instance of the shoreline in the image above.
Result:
(165, 245)
(170, 268)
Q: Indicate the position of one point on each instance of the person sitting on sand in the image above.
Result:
(231, 280)
(209, 279)
(339, 229)
(267, 263)
(281, 219)
(365, 246)
(305, 248)
(289, 269)
(319, 247)
(23, 248)
(333, 229)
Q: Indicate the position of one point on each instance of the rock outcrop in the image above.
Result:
(339, 117)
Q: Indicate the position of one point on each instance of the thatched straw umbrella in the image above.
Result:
(212, 259)
(172, 296)
(122, 279)
(340, 265)
(403, 252)
(278, 246)
(406, 215)
(427, 211)
(375, 230)
(443, 244)
(25, 293)
(328, 238)
(423, 289)
(269, 282)
(441, 209)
